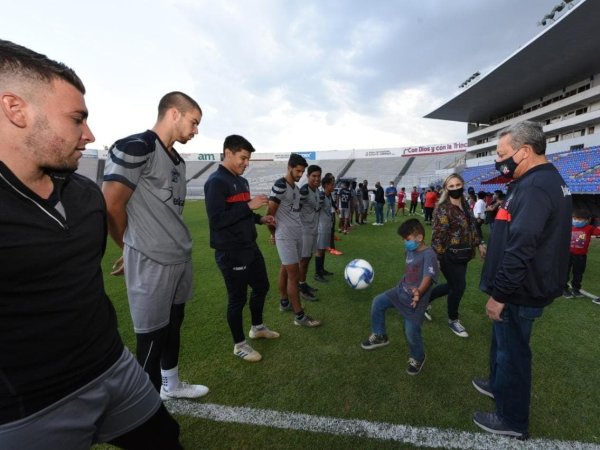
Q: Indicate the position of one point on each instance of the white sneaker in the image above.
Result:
(247, 353)
(264, 333)
(185, 390)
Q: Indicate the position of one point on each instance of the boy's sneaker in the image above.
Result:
(311, 289)
(428, 313)
(262, 333)
(491, 423)
(247, 353)
(307, 321)
(284, 308)
(577, 293)
(596, 301)
(307, 295)
(457, 328)
(327, 272)
(567, 293)
(414, 366)
(320, 278)
(335, 252)
(185, 390)
(375, 341)
(483, 386)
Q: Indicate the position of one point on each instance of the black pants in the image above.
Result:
(577, 265)
(413, 207)
(454, 288)
(428, 214)
(242, 268)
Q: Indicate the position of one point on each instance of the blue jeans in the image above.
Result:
(378, 212)
(412, 331)
(510, 365)
(391, 208)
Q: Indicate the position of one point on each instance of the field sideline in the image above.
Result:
(308, 375)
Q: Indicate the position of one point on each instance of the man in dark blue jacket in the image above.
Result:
(233, 236)
(524, 271)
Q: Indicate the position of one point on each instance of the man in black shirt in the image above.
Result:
(67, 379)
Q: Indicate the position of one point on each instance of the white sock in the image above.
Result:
(170, 378)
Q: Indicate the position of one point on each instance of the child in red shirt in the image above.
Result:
(581, 234)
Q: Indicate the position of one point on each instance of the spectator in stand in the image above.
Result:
(581, 234)
(379, 202)
(454, 238)
(390, 197)
(431, 198)
(414, 199)
(402, 201)
(479, 213)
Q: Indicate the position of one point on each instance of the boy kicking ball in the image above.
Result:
(410, 297)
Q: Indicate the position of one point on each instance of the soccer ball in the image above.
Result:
(359, 274)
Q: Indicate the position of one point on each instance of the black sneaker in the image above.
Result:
(567, 293)
(375, 341)
(308, 295)
(577, 293)
(414, 366)
(491, 423)
(327, 272)
(310, 288)
(320, 278)
(483, 386)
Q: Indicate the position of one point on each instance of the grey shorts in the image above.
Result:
(344, 213)
(365, 205)
(309, 245)
(324, 239)
(118, 401)
(289, 250)
(153, 288)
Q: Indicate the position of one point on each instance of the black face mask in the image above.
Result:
(456, 193)
(508, 166)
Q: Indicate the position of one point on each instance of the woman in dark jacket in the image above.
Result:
(454, 238)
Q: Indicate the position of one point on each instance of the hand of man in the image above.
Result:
(268, 220)
(258, 201)
(494, 309)
(118, 268)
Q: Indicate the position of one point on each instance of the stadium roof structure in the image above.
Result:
(561, 54)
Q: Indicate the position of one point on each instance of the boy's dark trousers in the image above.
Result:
(577, 265)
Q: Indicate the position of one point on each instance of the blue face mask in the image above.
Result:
(579, 223)
(411, 246)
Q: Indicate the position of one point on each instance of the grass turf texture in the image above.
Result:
(324, 371)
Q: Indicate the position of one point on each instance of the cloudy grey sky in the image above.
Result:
(289, 75)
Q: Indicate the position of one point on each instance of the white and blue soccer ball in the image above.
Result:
(359, 274)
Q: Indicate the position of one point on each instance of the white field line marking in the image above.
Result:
(419, 436)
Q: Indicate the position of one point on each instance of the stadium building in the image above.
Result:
(553, 79)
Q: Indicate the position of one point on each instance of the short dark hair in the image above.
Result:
(313, 168)
(411, 226)
(327, 179)
(297, 160)
(237, 143)
(526, 133)
(481, 195)
(21, 62)
(178, 100)
(582, 213)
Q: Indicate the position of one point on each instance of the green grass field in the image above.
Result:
(324, 372)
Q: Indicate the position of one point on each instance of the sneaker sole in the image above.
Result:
(308, 298)
(306, 325)
(515, 434)
(164, 396)
(482, 391)
(244, 356)
(374, 346)
(270, 336)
